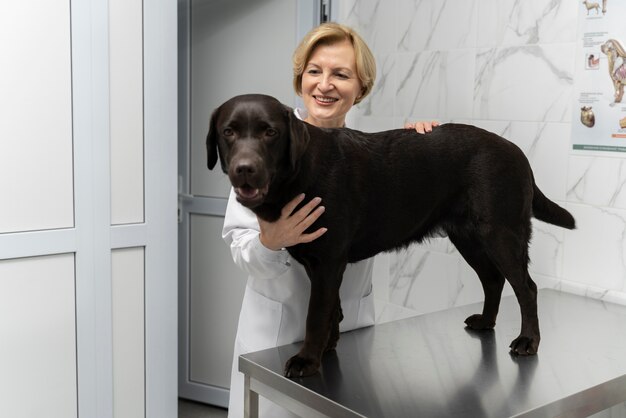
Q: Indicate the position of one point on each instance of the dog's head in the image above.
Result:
(258, 140)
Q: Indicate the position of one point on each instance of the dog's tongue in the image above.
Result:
(247, 192)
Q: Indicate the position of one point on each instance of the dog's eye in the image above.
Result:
(228, 132)
(271, 132)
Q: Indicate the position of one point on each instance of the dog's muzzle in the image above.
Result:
(250, 183)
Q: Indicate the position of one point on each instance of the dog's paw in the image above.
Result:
(298, 366)
(525, 346)
(478, 322)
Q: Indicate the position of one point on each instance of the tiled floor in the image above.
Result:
(190, 409)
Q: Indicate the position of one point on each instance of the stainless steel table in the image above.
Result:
(431, 366)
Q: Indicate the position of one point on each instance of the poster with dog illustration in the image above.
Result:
(599, 119)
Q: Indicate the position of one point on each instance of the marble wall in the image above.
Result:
(506, 66)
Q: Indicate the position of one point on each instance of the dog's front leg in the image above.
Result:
(325, 283)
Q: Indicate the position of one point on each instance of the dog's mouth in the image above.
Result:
(250, 196)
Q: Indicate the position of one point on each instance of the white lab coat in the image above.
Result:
(276, 298)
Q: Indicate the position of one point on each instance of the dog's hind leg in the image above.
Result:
(526, 292)
(509, 251)
(490, 277)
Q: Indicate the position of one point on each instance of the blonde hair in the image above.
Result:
(328, 34)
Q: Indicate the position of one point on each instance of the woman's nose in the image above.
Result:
(325, 83)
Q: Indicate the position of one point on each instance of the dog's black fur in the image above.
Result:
(383, 191)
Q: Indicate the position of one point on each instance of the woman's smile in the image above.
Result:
(324, 100)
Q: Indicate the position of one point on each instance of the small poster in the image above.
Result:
(599, 120)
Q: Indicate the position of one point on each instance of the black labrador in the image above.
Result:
(383, 191)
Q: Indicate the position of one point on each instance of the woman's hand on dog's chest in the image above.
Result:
(289, 229)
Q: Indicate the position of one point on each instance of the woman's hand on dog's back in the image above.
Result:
(422, 127)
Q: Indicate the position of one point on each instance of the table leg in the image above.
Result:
(251, 400)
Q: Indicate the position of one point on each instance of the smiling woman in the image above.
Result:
(333, 69)
(329, 84)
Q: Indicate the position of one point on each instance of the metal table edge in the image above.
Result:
(294, 390)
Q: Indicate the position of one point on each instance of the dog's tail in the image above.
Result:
(546, 210)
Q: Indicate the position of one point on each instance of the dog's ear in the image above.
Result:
(211, 141)
(299, 138)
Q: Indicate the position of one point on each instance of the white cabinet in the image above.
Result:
(88, 215)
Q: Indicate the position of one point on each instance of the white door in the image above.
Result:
(88, 208)
(227, 48)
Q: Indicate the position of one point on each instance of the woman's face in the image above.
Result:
(330, 84)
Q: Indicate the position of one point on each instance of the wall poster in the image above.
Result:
(599, 120)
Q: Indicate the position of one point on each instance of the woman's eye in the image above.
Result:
(228, 132)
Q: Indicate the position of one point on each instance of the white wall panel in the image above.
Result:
(127, 271)
(37, 337)
(216, 292)
(126, 110)
(35, 116)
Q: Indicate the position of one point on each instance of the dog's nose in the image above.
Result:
(245, 168)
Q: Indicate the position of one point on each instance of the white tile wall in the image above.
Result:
(511, 22)
(524, 83)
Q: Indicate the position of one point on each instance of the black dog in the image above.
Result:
(383, 191)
